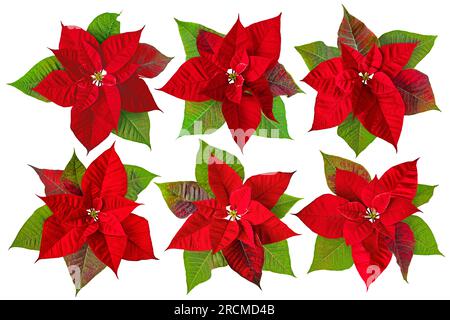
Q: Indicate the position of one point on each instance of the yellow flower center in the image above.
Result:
(366, 77)
(93, 213)
(97, 77)
(232, 76)
(372, 215)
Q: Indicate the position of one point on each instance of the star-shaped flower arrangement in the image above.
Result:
(367, 221)
(99, 73)
(87, 218)
(229, 221)
(368, 84)
(234, 78)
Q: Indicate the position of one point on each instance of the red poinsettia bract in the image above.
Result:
(232, 70)
(238, 221)
(100, 80)
(369, 215)
(365, 86)
(101, 217)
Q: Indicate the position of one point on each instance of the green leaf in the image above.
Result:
(426, 244)
(277, 258)
(354, 133)
(202, 117)
(198, 266)
(138, 180)
(317, 52)
(203, 155)
(331, 163)
(29, 236)
(104, 26)
(180, 195)
(423, 194)
(37, 73)
(134, 127)
(189, 32)
(74, 171)
(331, 254)
(355, 34)
(83, 266)
(271, 129)
(424, 44)
(284, 204)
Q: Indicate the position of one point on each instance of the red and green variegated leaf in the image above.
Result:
(281, 82)
(354, 134)
(54, 184)
(331, 163)
(180, 195)
(426, 244)
(416, 91)
(247, 261)
(137, 180)
(424, 44)
(402, 247)
(104, 25)
(423, 195)
(201, 169)
(189, 32)
(35, 75)
(74, 171)
(271, 129)
(317, 52)
(355, 34)
(29, 236)
(202, 118)
(198, 266)
(331, 254)
(83, 266)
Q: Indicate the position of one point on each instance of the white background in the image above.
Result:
(32, 132)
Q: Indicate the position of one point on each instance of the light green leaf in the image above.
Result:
(271, 129)
(35, 75)
(104, 26)
(189, 33)
(203, 155)
(134, 127)
(29, 236)
(331, 163)
(317, 52)
(74, 171)
(354, 133)
(424, 44)
(331, 254)
(277, 258)
(138, 180)
(202, 117)
(284, 204)
(423, 194)
(426, 244)
(198, 266)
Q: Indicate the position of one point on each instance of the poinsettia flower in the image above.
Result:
(232, 70)
(368, 215)
(100, 80)
(238, 221)
(101, 217)
(362, 85)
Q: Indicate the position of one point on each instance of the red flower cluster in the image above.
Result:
(238, 221)
(100, 80)
(101, 217)
(365, 86)
(368, 215)
(232, 70)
